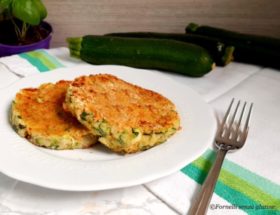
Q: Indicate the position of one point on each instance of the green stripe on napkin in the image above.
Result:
(42, 60)
(237, 185)
(236, 198)
(252, 178)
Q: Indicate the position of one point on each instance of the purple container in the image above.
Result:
(6, 50)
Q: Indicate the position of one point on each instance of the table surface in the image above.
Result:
(246, 82)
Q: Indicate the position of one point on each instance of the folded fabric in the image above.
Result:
(241, 188)
(6, 76)
(29, 63)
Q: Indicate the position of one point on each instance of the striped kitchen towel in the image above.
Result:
(29, 63)
(238, 190)
(239, 186)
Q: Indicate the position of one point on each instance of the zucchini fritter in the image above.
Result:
(127, 118)
(37, 114)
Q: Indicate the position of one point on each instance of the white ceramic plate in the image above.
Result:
(99, 168)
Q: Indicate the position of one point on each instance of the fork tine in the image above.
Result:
(235, 133)
(225, 118)
(228, 132)
(246, 126)
(248, 118)
(234, 114)
(241, 116)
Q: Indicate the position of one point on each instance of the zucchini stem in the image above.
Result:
(75, 46)
(192, 27)
(228, 55)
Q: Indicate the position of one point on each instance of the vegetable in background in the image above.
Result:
(249, 48)
(221, 53)
(168, 55)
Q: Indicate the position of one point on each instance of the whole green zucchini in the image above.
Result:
(221, 53)
(260, 50)
(167, 55)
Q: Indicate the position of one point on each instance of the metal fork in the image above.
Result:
(229, 136)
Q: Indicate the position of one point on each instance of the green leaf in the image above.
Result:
(4, 4)
(41, 8)
(26, 11)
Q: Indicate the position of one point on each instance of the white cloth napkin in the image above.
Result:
(250, 177)
(18, 65)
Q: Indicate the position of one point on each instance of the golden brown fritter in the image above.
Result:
(37, 114)
(126, 117)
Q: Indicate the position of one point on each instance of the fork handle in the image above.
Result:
(202, 201)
